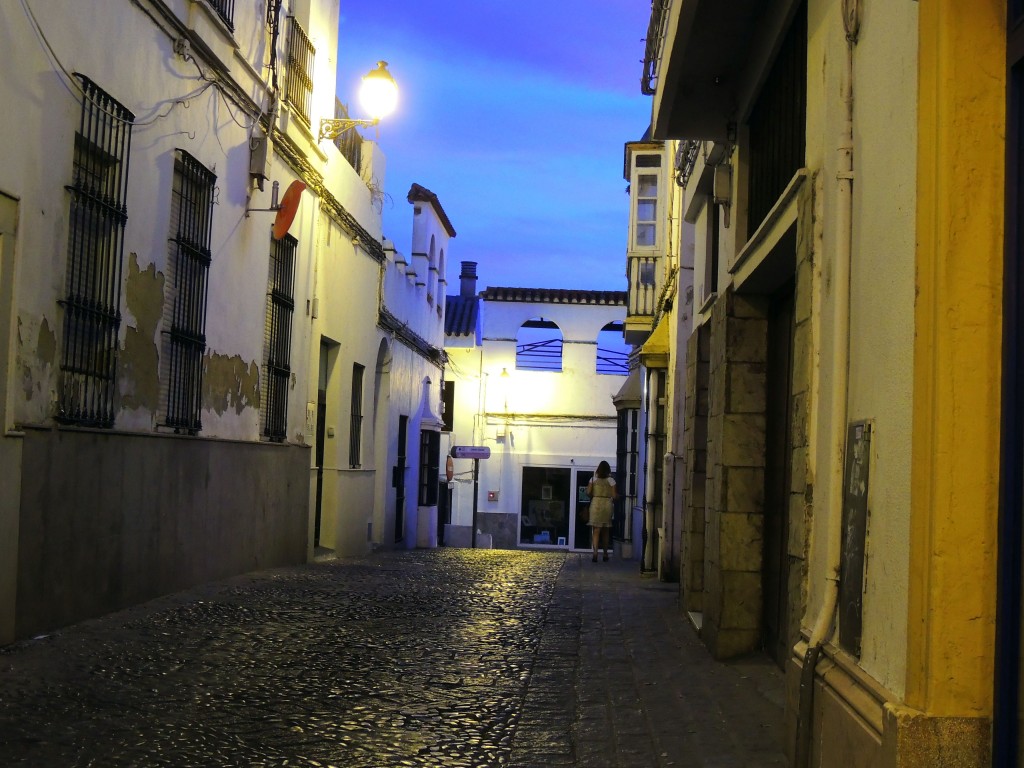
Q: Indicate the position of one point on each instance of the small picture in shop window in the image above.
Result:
(545, 492)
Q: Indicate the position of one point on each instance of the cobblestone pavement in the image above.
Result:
(445, 658)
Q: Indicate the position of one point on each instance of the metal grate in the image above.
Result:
(92, 304)
(778, 124)
(226, 10)
(298, 85)
(355, 440)
(612, 361)
(349, 143)
(654, 45)
(543, 355)
(278, 341)
(189, 267)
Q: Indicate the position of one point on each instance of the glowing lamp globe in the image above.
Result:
(379, 93)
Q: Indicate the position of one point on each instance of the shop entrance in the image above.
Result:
(553, 498)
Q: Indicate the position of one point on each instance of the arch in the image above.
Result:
(612, 351)
(539, 346)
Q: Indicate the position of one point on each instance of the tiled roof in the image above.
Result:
(460, 314)
(554, 296)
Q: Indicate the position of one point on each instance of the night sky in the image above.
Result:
(515, 115)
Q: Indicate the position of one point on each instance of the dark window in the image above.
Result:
(448, 405)
(711, 253)
(188, 282)
(778, 124)
(278, 337)
(648, 161)
(355, 440)
(299, 78)
(226, 10)
(430, 466)
(92, 303)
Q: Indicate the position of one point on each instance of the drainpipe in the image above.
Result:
(822, 628)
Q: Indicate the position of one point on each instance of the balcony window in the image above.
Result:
(646, 227)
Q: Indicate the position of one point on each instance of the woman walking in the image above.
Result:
(601, 490)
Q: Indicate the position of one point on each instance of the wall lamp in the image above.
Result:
(378, 95)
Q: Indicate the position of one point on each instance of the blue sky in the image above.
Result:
(515, 115)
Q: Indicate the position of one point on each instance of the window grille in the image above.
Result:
(226, 10)
(778, 125)
(356, 430)
(97, 218)
(299, 78)
(188, 280)
(278, 337)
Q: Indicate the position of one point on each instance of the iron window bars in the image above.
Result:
(226, 10)
(298, 87)
(278, 337)
(97, 218)
(189, 265)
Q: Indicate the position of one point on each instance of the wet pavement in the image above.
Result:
(445, 658)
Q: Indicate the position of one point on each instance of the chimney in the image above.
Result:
(467, 279)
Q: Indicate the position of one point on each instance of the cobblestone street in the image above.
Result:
(444, 657)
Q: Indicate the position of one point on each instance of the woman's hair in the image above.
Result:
(603, 470)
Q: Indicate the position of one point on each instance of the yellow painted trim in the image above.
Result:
(654, 352)
(954, 474)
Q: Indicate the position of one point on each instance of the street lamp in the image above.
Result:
(378, 95)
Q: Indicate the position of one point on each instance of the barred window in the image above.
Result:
(356, 430)
(278, 337)
(299, 75)
(226, 10)
(97, 218)
(188, 270)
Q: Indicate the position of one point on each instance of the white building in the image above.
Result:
(531, 373)
(163, 349)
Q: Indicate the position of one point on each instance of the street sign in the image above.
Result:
(471, 452)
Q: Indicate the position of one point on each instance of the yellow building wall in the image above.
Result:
(954, 476)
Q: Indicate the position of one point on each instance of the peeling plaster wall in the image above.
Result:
(230, 384)
(36, 366)
(139, 361)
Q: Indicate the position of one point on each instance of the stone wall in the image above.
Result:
(695, 438)
(735, 475)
